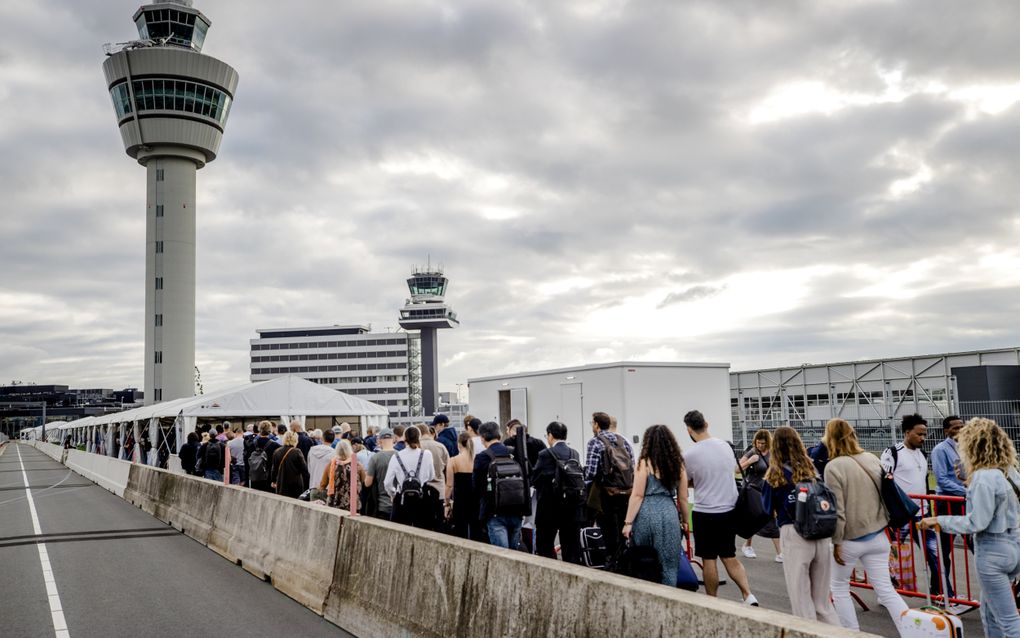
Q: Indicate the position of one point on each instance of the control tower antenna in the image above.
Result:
(172, 103)
(426, 311)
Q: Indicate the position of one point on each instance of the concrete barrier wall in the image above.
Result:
(378, 579)
(104, 471)
(55, 452)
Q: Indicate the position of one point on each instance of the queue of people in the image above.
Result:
(492, 484)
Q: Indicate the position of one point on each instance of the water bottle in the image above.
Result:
(801, 503)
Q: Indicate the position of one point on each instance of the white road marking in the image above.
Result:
(56, 608)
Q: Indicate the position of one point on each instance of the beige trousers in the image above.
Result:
(807, 566)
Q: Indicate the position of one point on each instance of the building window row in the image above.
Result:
(329, 344)
(159, 394)
(159, 357)
(346, 368)
(340, 380)
(159, 247)
(172, 95)
(159, 283)
(159, 321)
(332, 355)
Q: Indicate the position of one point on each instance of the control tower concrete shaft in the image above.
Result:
(172, 104)
(426, 311)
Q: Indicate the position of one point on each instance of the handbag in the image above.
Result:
(749, 514)
(638, 561)
(685, 576)
(900, 507)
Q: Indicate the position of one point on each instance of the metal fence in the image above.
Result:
(877, 434)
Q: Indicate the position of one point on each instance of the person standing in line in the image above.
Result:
(711, 465)
(212, 459)
(411, 462)
(319, 458)
(236, 447)
(461, 504)
(361, 451)
(609, 470)
(504, 527)
(949, 477)
(436, 496)
(754, 464)
(471, 426)
(379, 503)
(653, 517)
(370, 438)
(304, 442)
(445, 434)
(808, 563)
(854, 476)
(398, 433)
(260, 460)
(557, 512)
(909, 466)
(336, 478)
(189, 453)
(289, 471)
(993, 513)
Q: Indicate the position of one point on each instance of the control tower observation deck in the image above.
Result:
(427, 312)
(172, 103)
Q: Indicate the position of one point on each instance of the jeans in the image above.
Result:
(997, 561)
(214, 475)
(874, 556)
(505, 531)
(235, 474)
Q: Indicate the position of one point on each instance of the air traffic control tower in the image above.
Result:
(172, 103)
(426, 311)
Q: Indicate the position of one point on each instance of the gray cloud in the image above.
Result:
(562, 161)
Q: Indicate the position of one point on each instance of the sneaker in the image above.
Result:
(751, 600)
(779, 558)
(959, 609)
(749, 552)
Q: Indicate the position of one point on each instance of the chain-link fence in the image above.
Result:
(877, 434)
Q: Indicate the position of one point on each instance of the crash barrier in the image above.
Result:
(460, 588)
(107, 472)
(904, 556)
(55, 452)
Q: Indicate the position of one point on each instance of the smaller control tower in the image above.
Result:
(426, 311)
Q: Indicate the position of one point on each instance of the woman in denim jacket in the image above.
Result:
(993, 516)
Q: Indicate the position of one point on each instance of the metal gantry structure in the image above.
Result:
(871, 394)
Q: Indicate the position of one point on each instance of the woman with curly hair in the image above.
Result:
(807, 565)
(993, 516)
(652, 515)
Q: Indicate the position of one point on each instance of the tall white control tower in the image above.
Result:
(172, 104)
(426, 311)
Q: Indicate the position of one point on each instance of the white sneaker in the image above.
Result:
(751, 600)
(779, 558)
(959, 608)
(749, 552)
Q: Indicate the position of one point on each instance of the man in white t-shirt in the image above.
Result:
(909, 466)
(711, 466)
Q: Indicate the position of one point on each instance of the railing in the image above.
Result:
(938, 547)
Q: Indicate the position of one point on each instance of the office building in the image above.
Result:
(381, 367)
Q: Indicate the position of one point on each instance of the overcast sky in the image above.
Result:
(759, 183)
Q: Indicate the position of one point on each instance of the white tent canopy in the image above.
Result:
(284, 398)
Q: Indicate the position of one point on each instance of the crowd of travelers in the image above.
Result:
(827, 509)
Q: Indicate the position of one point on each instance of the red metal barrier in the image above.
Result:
(930, 506)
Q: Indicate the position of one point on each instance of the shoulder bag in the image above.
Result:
(900, 507)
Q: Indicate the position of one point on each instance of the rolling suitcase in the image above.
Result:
(930, 621)
(593, 547)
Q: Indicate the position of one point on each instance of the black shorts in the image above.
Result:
(714, 535)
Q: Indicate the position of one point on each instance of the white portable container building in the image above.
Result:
(638, 394)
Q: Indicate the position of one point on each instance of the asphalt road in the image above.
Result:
(119, 571)
(769, 586)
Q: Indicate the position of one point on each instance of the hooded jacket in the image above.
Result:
(319, 457)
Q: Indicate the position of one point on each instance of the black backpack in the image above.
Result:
(568, 481)
(411, 489)
(814, 515)
(213, 456)
(258, 463)
(617, 471)
(507, 487)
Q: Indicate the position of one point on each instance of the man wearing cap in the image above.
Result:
(379, 503)
(445, 434)
(336, 435)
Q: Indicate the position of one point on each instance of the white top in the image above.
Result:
(710, 467)
(364, 457)
(911, 472)
(478, 446)
(395, 475)
(318, 460)
(236, 447)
